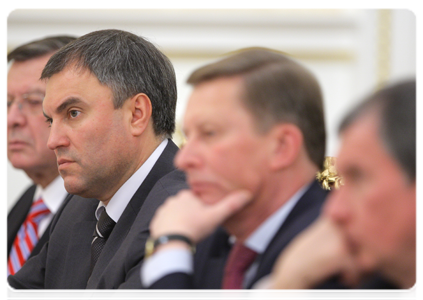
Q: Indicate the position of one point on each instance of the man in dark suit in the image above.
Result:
(110, 101)
(369, 225)
(255, 135)
(27, 136)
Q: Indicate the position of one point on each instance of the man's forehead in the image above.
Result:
(361, 142)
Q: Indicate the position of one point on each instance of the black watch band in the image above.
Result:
(152, 244)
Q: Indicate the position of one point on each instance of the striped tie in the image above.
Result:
(27, 237)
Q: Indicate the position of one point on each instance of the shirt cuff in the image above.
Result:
(164, 263)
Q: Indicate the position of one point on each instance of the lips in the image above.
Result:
(17, 145)
(199, 186)
(63, 162)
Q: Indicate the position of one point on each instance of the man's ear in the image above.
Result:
(140, 107)
(287, 143)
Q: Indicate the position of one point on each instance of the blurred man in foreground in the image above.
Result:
(368, 225)
(28, 221)
(255, 139)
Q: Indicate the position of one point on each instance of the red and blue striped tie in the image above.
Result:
(27, 237)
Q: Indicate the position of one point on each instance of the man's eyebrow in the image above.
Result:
(47, 117)
(67, 103)
(64, 105)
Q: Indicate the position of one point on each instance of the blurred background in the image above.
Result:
(351, 52)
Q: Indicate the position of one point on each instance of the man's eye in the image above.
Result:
(34, 102)
(209, 133)
(74, 113)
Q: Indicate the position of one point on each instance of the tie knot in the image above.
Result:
(104, 226)
(38, 211)
(240, 258)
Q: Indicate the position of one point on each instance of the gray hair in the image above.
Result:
(128, 65)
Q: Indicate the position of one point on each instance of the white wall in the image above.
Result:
(341, 47)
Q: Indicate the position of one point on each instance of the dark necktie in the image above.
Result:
(239, 260)
(102, 231)
(27, 237)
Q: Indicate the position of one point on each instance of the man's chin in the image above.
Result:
(74, 188)
(364, 262)
(209, 198)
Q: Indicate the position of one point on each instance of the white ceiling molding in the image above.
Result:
(312, 34)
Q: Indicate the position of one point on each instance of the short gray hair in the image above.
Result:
(128, 65)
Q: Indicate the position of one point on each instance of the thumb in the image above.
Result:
(231, 204)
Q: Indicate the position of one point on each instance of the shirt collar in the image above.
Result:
(261, 237)
(121, 198)
(53, 195)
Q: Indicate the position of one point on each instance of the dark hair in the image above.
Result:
(395, 107)
(128, 65)
(39, 48)
(276, 89)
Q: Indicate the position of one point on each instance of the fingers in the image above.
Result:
(186, 214)
(229, 205)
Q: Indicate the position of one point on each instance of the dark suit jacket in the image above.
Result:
(212, 253)
(123, 269)
(64, 262)
(17, 216)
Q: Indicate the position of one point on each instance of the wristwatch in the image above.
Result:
(152, 244)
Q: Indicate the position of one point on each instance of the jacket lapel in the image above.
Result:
(163, 166)
(302, 215)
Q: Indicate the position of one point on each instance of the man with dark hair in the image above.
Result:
(255, 139)
(110, 102)
(29, 219)
(369, 225)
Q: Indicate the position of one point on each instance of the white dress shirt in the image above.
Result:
(121, 198)
(53, 196)
(181, 260)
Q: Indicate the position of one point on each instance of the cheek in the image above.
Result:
(40, 134)
(378, 223)
(239, 166)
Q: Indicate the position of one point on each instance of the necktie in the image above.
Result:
(102, 231)
(27, 237)
(240, 258)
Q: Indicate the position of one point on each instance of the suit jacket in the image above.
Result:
(64, 262)
(211, 254)
(17, 216)
(123, 269)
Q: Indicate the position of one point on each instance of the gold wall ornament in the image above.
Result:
(329, 178)
(178, 136)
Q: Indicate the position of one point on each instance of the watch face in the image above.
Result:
(149, 247)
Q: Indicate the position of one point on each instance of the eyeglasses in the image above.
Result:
(30, 103)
